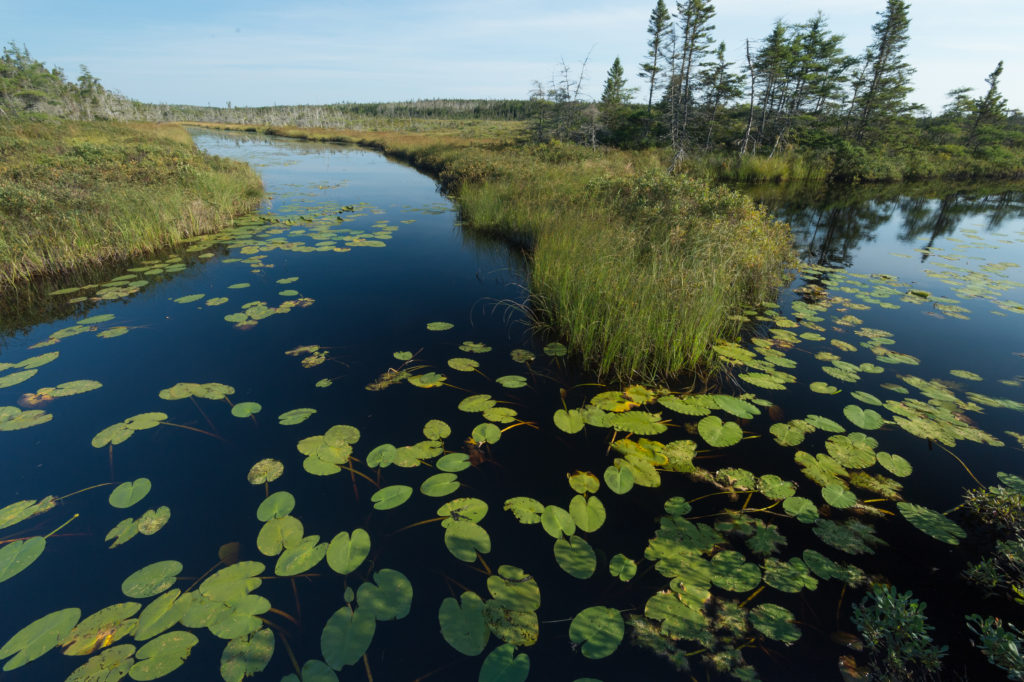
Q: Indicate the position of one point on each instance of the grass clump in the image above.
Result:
(638, 269)
(81, 193)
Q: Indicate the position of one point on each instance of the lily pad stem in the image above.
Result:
(366, 664)
(484, 564)
(192, 428)
(47, 537)
(285, 614)
(92, 487)
(752, 595)
(966, 468)
(419, 523)
(359, 473)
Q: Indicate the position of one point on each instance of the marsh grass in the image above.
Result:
(637, 269)
(76, 194)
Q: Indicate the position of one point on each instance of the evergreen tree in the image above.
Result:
(988, 110)
(695, 42)
(719, 87)
(614, 99)
(887, 83)
(658, 27)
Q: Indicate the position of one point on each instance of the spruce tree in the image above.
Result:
(988, 110)
(695, 42)
(658, 27)
(887, 83)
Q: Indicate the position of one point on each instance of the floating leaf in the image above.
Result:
(730, 571)
(162, 614)
(153, 520)
(512, 381)
(18, 555)
(824, 423)
(463, 625)
(17, 377)
(439, 326)
(390, 598)
(453, 462)
(124, 531)
(823, 387)
(932, 523)
(440, 485)
(38, 637)
(588, 513)
(863, 419)
(599, 629)
(555, 350)
(347, 635)
(464, 539)
(347, 552)
(522, 356)
(69, 388)
(502, 665)
(14, 419)
(247, 655)
(296, 416)
(570, 421)
(895, 464)
(622, 567)
(243, 410)
(619, 479)
(964, 374)
(101, 629)
(526, 509)
(151, 580)
(277, 534)
(514, 589)
(276, 506)
(428, 380)
(477, 403)
(191, 298)
(787, 434)
(128, 493)
(839, 497)
(575, 556)
(265, 471)
(775, 622)
(301, 557)
(486, 433)
(474, 347)
(313, 671)
(435, 429)
(463, 364)
(719, 434)
(802, 508)
(638, 422)
(110, 664)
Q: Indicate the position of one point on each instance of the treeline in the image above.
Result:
(26, 85)
(796, 90)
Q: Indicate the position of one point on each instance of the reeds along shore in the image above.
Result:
(74, 194)
(639, 270)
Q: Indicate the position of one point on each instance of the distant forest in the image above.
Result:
(797, 91)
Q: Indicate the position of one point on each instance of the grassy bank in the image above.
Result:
(638, 270)
(81, 193)
(851, 164)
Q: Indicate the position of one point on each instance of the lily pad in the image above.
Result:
(775, 622)
(347, 635)
(555, 350)
(38, 637)
(18, 555)
(388, 597)
(588, 513)
(932, 523)
(435, 429)
(463, 625)
(14, 419)
(512, 381)
(521, 355)
(247, 655)
(101, 629)
(894, 464)
(575, 556)
(619, 479)
(599, 629)
(719, 434)
(439, 326)
(526, 509)
(732, 572)
(302, 557)
(570, 421)
(503, 665)
(128, 493)
(347, 552)
(296, 416)
(454, 462)
(427, 380)
(838, 497)
(391, 496)
(313, 671)
(863, 419)
(151, 580)
(622, 567)
(276, 506)
(463, 364)
(486, 433)
(465, 538)
(247, 409)
(107, 666)
(265, 471)
(162, 613)
(152, 520)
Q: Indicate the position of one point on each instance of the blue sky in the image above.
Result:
(320, 51)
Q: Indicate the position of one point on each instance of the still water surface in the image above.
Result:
(378, 255)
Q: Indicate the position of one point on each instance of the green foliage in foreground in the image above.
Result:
(638, 269)
(73, 194)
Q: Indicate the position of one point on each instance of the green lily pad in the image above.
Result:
(435, 429)
(463, 364)
(313, 671)
(439, 326)
(477, 403)
(557, 522)
(108, 625)
(38, 637)
(838, 497)
(265, 471)
(500, 415)
(824, 423)
(474, 347)
(789, 576)
(503, 665)
(109, 665)
(239, 618)
(276, 506)
(575, 556)
(775, 488)
(622, 567)
(25, 509)
(388, 597)
(153, 520)
(866, 398)
(932, 523)
(512, 381)
(391, 496)
(14, 419)
(774, 622)
(555, 350)
(124, 531)
(521, 355)
(486, 433)
(824, 388)
(965, 374)
(191, 298)
(300, 558)
(719, 434)
(584, 482)
(588, 513)
(296, 416)
(570, 421)
(732, 572)
(128, 493)
(278, 534)
(454, 462)
(802, 508)
(347, 552)
(619, 479)
(462, 509)
(465, 538)
(463, 625)
(247, 655)
(599, 629)
(17, 377)
(787, 434)
(894, 464)
(863, 419)
(69, 388)
(151, 580)
(526, 509)
(347, 635)
(637, 422)
(162, 614)
(243, 410)
(427, 380)
(16, 556)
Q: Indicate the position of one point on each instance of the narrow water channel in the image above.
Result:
(379, 357)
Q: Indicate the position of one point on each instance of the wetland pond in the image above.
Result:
(324, 444)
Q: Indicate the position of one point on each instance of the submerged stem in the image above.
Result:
(47, 536)
(92, 487)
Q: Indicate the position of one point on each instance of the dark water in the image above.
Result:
(364, 304)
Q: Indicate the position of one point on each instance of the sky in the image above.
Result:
(321, 51)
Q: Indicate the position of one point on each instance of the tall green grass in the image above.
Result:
(639, 270)
(74, 194)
